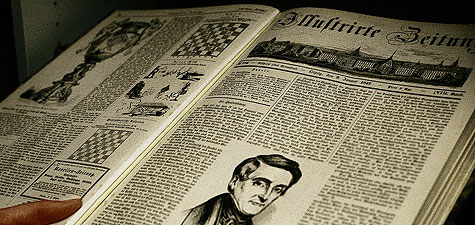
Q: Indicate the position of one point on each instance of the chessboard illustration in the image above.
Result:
(100, 145)
(210, 39)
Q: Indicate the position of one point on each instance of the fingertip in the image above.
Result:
(40, 212)
(74, 201)
(54, 211)
(73, 204)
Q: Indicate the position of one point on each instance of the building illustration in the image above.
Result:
(358, 63)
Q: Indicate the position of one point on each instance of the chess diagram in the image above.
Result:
(100, 145)
(210, 39)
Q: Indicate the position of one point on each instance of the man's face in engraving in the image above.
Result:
(262, 187)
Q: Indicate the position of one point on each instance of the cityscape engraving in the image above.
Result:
(361, 64)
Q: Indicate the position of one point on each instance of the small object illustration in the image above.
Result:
(163, 90)
(135, 92)
(174, 95)
(191, 76)
(148, 109)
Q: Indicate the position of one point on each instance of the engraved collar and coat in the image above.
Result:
(219, 210)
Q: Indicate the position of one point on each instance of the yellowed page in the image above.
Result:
(77, 125)
(370, 109)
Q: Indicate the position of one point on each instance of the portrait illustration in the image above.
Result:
(255, 184)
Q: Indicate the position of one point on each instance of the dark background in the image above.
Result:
(429, 11)
(426, 11)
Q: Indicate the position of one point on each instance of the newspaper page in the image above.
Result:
(77, 124)
(329, 118)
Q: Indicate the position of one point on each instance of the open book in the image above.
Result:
(245, 114)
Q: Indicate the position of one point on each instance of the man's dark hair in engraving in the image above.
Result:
(250, 165)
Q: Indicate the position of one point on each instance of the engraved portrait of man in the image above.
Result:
(255, 184)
